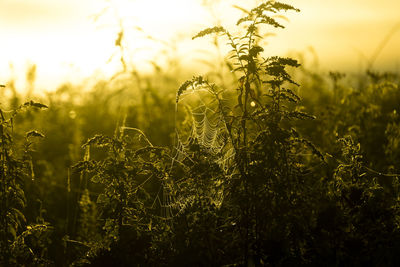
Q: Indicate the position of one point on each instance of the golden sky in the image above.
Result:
(67, 43)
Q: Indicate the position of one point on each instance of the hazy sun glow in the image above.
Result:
(69, 40)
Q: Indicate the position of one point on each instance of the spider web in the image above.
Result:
(205, 125)
(207, 128)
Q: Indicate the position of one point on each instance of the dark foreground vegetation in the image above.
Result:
(238, 168)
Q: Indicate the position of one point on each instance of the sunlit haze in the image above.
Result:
(72, 40)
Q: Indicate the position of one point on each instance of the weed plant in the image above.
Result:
(21, 242)
(261, 171)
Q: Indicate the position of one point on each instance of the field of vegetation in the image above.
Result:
(260, 162)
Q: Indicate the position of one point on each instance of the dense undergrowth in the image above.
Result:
(252, 169)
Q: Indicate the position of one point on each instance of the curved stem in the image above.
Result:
(140, 132)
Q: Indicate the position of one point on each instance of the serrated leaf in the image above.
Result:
(99, 140)
(34, 133)
(182, 89)
(209, 31)
(301, 115)
(281, 6)
(35, 104)
(270, 21)
(247, 18)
